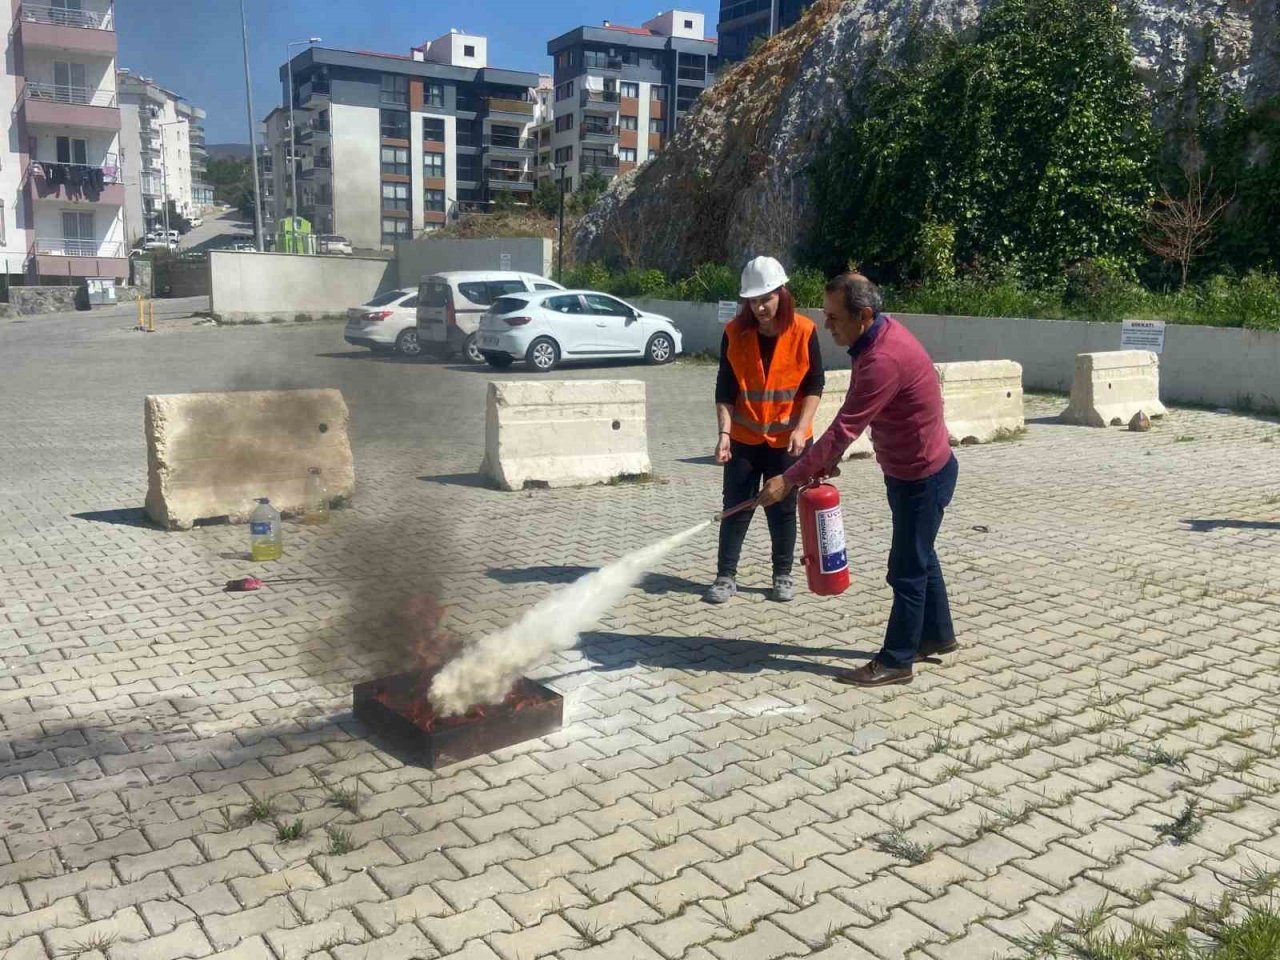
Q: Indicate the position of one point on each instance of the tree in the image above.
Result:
(1032, 138)
(1180, 228)
(229, 176)
(546, 198)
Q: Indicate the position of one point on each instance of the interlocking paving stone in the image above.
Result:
(707, 763)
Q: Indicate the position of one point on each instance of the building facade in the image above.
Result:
(162, 144)
(621, 92)
(62, 200)
(743, 21)
(387, 146)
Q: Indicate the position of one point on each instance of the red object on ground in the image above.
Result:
(244, 583)
(823, 553)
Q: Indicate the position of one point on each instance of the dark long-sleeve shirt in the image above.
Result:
(895, 391)
(727, 381)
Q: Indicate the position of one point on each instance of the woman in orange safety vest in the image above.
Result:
(767, 391)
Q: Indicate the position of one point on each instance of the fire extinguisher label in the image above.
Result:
(832, 556)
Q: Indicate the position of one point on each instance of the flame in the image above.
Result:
(411, 702)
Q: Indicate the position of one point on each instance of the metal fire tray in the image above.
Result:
(396, 707)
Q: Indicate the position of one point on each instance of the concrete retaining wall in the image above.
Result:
(564, 433)
(1214, 365)
(209, 455)
(832, 400)
(264, 287)
(420, 257)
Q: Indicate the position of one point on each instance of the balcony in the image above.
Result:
(500, 179)
(67, 106)
(600, 101)
(78, 182)
(602, 65)
(501, 145)
(598, 133)
(500, 108)
(77, 258)
(310, 132)
(313, 93)
(606, 166)
(310, 165)
(57, 28)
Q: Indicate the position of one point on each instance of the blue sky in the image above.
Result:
(193, 46)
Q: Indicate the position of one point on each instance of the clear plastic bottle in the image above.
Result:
(266, 536)
(316, 508)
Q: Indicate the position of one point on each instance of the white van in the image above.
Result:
(451, 304)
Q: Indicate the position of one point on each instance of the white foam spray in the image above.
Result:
(485, 671)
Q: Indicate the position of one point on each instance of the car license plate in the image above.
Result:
(488, 341)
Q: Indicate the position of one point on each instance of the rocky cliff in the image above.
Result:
(732, 181)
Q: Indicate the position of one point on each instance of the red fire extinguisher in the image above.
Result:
(825, 559)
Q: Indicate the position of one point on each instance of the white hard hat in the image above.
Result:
(762, 275)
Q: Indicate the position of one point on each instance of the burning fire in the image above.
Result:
(411, 701)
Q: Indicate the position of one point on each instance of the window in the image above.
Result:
(629, 123)
(657, 125)
(433, 201)
(394, 124)
(500, 288)
(466, 166)
(69, 83)
(4, 227)
(658, 93)
(546, 286)
(564, 59)
(688, 24)
(433, 164)
(564, 123)
(603, 306)
(627, 154)
(477, 293)
(395, 88)
(393, 228)
(77, 235)
(383, 299)
(509, 305)
(395, 196)
(433, 94)
(564, 91)
(71, 150)
(395, 160)
(567, 304)
(433, 129)
(468, 50)
(631, 90)
(564, 155)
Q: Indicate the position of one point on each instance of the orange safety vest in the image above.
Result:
(766, 406)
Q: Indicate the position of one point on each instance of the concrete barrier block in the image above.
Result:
(564, 433)
(981, 399)
(832, 399)
(1110, 387)
(209, 455)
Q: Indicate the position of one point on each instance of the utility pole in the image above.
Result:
(560, 233)
(253, 132)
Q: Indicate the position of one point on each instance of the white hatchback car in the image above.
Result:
(544, 328)
(387, 322)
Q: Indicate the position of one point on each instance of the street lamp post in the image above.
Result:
(253, 132)
(293, 134)
(560, 232)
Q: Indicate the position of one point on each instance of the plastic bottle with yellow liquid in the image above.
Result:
(266, 535)
(316, 508)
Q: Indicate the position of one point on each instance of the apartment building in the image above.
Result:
(621, 92)
(544, 120)
(162, 143)
(388, 146)
(743, 21)
(62, 205)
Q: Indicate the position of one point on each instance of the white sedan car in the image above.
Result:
(546, 327)
(387, 322)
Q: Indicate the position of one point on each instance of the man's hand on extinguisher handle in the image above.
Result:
(775, 490)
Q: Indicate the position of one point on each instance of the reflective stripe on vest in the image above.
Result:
(767, 404)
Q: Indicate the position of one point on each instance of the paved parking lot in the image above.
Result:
(714, 794)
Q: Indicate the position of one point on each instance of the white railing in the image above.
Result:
(65, 93)
(88, 19)
(79, 248)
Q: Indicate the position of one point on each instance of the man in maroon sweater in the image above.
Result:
(895, 392)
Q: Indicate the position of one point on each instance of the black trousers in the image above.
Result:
(752, 464)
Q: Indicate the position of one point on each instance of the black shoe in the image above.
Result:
(874, 674)
(924, 652)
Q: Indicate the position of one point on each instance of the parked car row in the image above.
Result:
(502, 317)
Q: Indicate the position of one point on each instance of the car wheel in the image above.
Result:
(499, 361)
(661, 349)
(471, 350)
(407, 343)
(543, 355)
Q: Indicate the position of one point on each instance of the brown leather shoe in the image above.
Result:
(926, 652)
(873, 673)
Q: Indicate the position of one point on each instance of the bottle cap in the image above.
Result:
(262, 500)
